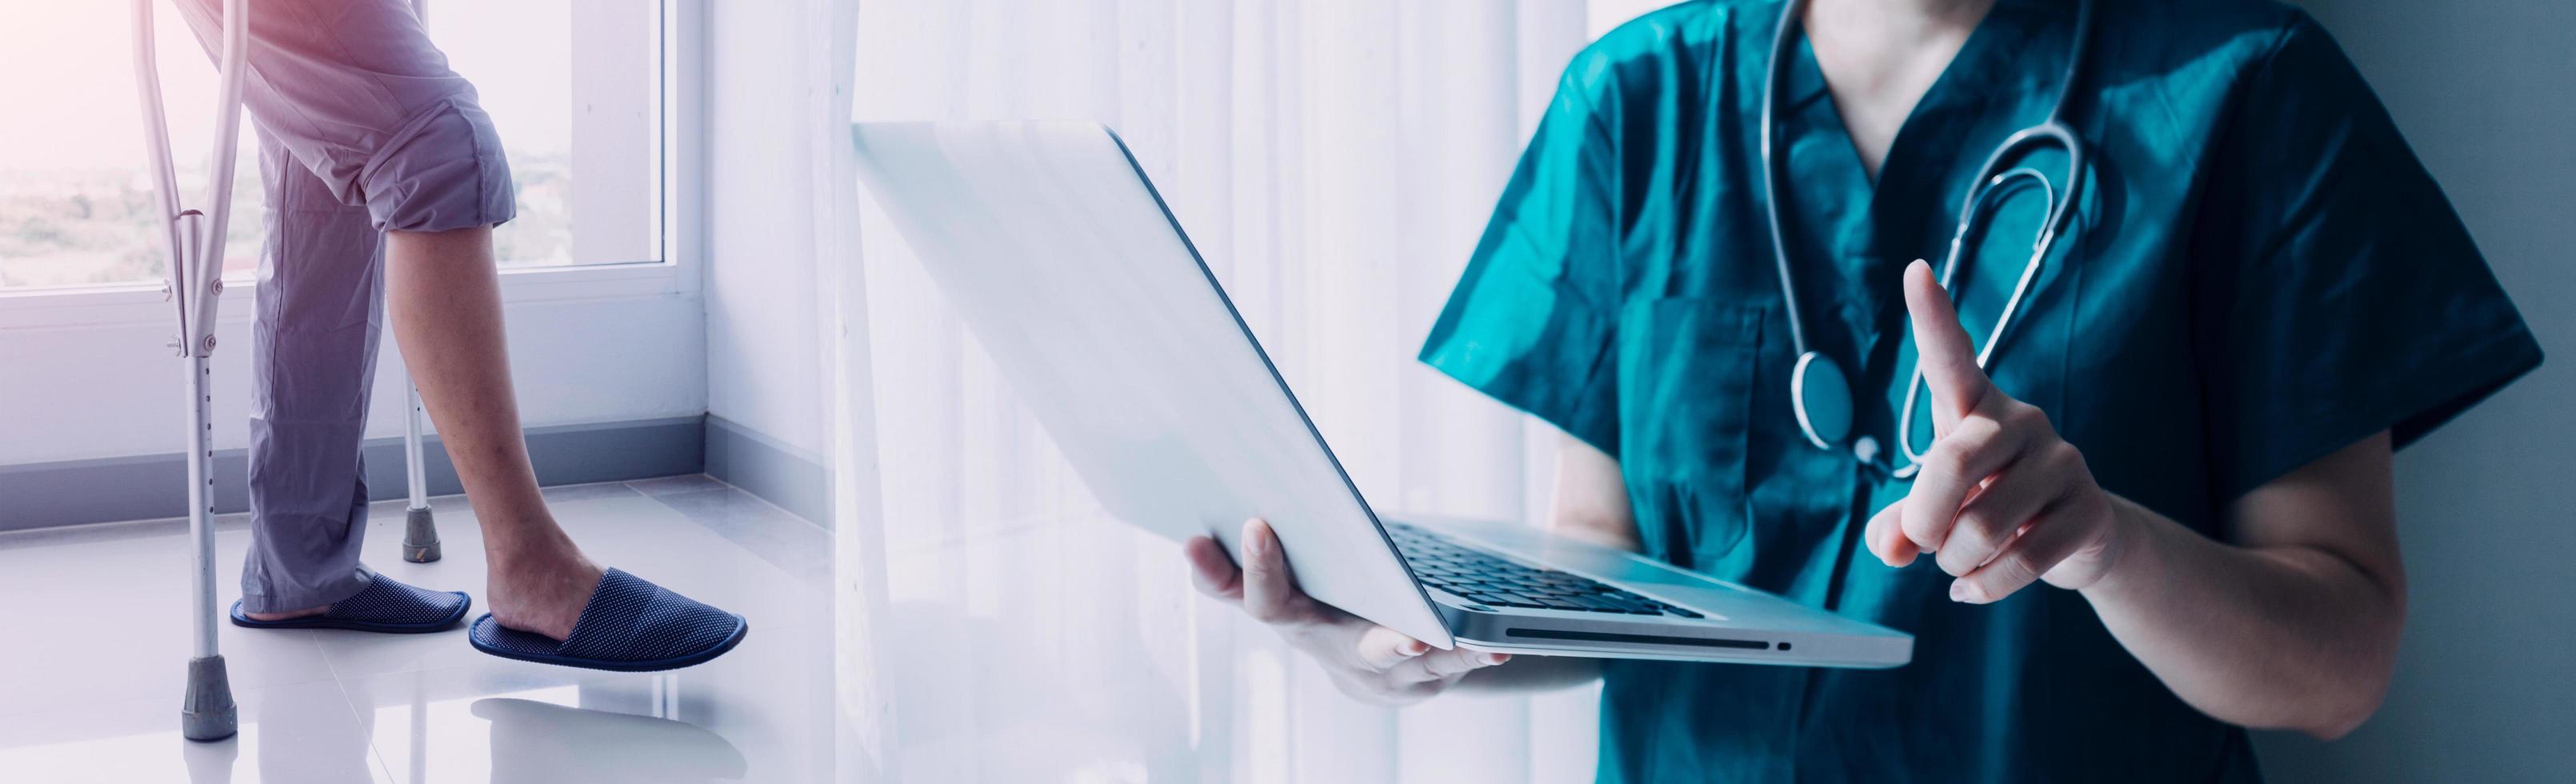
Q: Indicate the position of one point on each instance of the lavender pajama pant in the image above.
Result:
(362, 129)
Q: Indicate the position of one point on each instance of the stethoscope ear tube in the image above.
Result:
(1990, 191)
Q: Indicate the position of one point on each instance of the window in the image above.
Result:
(549, 81)
(574, 87)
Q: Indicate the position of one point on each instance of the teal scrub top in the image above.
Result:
(2258, 273)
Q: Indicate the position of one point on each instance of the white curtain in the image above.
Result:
(1335, 160)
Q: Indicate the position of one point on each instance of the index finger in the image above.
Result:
(1941, 347)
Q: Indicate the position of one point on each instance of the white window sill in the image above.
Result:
(140, 303)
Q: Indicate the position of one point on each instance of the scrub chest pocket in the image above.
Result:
(1686, 369)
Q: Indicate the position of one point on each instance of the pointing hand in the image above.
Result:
(2001, 500)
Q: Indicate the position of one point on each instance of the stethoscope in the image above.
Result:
(1819, 392)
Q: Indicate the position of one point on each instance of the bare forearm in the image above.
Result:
(2280, 637)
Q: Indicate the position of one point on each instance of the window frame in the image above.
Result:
(680, 102)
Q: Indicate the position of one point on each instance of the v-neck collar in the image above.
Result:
(1992, 60)
(1977, 70)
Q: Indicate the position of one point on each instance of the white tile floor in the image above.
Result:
(95, 645)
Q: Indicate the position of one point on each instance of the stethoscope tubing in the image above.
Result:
(1991, 180)
(1773, 169)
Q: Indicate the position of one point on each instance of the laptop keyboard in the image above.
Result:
(1479, 577)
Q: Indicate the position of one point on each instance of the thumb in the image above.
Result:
(1941, 348)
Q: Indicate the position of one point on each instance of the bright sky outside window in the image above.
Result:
(576, 102)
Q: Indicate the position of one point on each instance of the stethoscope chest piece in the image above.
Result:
(1821, 396)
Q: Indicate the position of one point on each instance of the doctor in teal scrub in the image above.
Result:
(2160, 514)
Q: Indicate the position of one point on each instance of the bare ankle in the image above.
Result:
(286, 614)
(540, 557)
(543, 593)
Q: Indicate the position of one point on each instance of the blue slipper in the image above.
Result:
(629, 626)
(383, 606)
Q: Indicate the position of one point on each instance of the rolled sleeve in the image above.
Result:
(1531, 320)
(2351, 299)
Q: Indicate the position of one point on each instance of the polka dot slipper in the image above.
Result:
(383, 606)
(629, 626)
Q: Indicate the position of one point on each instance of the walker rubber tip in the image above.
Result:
(420, 537)
(208, 713)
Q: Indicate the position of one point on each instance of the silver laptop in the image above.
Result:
(1068, 268)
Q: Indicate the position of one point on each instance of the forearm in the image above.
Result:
(2277, 637)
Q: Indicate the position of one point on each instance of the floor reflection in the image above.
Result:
(212, 763)
(553, 725)
(338, 707)
(324, 745)
(1059, 652)
(541, 742)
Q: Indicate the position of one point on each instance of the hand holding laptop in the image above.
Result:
(1367, 661)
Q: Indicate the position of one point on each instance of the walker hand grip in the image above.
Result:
(196, 247)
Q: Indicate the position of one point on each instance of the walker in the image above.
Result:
(196, 243)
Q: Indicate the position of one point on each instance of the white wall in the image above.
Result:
(765, 361)
(2485, 91)
(105, 385)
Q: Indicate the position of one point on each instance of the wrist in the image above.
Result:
(2131, 552)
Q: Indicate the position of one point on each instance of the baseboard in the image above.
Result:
(766, 467)
(76, 492)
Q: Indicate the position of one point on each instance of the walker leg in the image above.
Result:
(208, 712)
(196, 284)
(420, 533)
(420, 537)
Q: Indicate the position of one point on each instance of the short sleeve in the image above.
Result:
(2337, 294)
(1531, 320)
